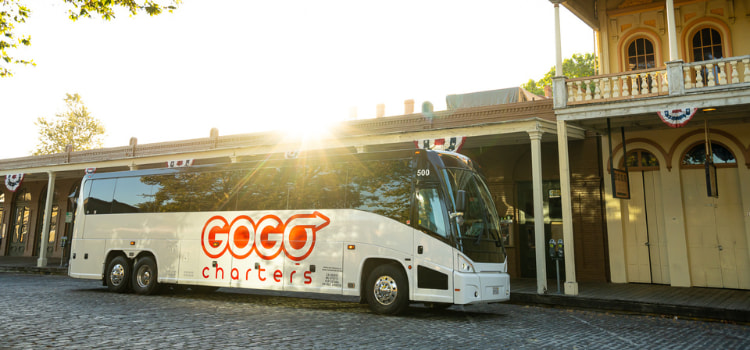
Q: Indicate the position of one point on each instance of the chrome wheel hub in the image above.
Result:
(143, 277)
(117, 275)
(385, 290)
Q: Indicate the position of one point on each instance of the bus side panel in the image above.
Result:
(257, 273)
(195, 268)
(321, 272)
(372, 237)
(87, 258)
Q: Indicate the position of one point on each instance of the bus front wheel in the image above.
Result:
(145, 276)
(387, 290)
(118, 274)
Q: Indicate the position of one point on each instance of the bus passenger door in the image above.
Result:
(433, 256)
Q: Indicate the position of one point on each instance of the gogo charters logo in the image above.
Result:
(267, 237)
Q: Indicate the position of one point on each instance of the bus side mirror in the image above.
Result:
(461, 201)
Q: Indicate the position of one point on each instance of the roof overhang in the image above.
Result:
(585, 10)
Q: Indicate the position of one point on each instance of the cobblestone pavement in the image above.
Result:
(59, 312)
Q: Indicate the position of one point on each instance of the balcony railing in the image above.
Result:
(675, 79)
(727, 71)
(634, 84)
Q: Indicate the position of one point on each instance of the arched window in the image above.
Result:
(641, 160)
(23, 195)
(707, 45)
(641, 54)
(696, 156)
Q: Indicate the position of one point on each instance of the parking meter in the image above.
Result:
(560, 250)
(63, 239)
(551, 248)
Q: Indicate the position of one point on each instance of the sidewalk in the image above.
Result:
(652, 299)
(27, 264)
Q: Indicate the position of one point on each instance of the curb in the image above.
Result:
(638, 307)
(61, 271)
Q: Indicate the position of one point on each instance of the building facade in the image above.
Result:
(674, 87)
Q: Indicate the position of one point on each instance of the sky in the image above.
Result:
(246, 66)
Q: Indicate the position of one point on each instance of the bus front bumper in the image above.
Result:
(478, 288)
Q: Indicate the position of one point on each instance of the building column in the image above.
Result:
(42, 261)
(558, 42)
(674, 226)
(536, 179)
(674, 54)
(618, 270)
(571, 285)
(744, 173)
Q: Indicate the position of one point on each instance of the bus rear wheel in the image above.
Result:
(145, 276)
(118, 274)
(387, 290)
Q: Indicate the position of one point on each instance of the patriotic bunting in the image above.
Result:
(677, 117)
(450, 144)
(13, 181)
(291, 155)
(182, 163)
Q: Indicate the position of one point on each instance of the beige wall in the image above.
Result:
(620, 26)
(695, 225)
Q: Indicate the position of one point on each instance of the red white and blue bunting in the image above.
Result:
(182, 163)
(450, 144)
(291, 154)
(677, 117)
(13, 181)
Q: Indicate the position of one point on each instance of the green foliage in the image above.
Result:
(74, 127)
(577, 66)
(13, 12)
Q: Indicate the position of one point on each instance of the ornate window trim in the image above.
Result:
(701, 23)
(631, 36)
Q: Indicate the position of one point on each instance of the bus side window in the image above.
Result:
(430, 214)
(99, 200)
(382, 187)
(132, 196)
(261, 189)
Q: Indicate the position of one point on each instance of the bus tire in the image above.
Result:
(145, 276)
(118, 274)
(387, 290)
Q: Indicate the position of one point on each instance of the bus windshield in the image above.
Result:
(478, 236)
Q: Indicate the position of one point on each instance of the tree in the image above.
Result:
(13, 12)
(577, 66)
(74, 127)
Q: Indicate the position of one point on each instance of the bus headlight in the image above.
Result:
(464, 265)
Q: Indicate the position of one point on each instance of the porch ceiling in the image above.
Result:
(585, 10)
(731, 106)
(650, 121)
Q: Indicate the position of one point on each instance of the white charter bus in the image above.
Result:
(391, 228)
